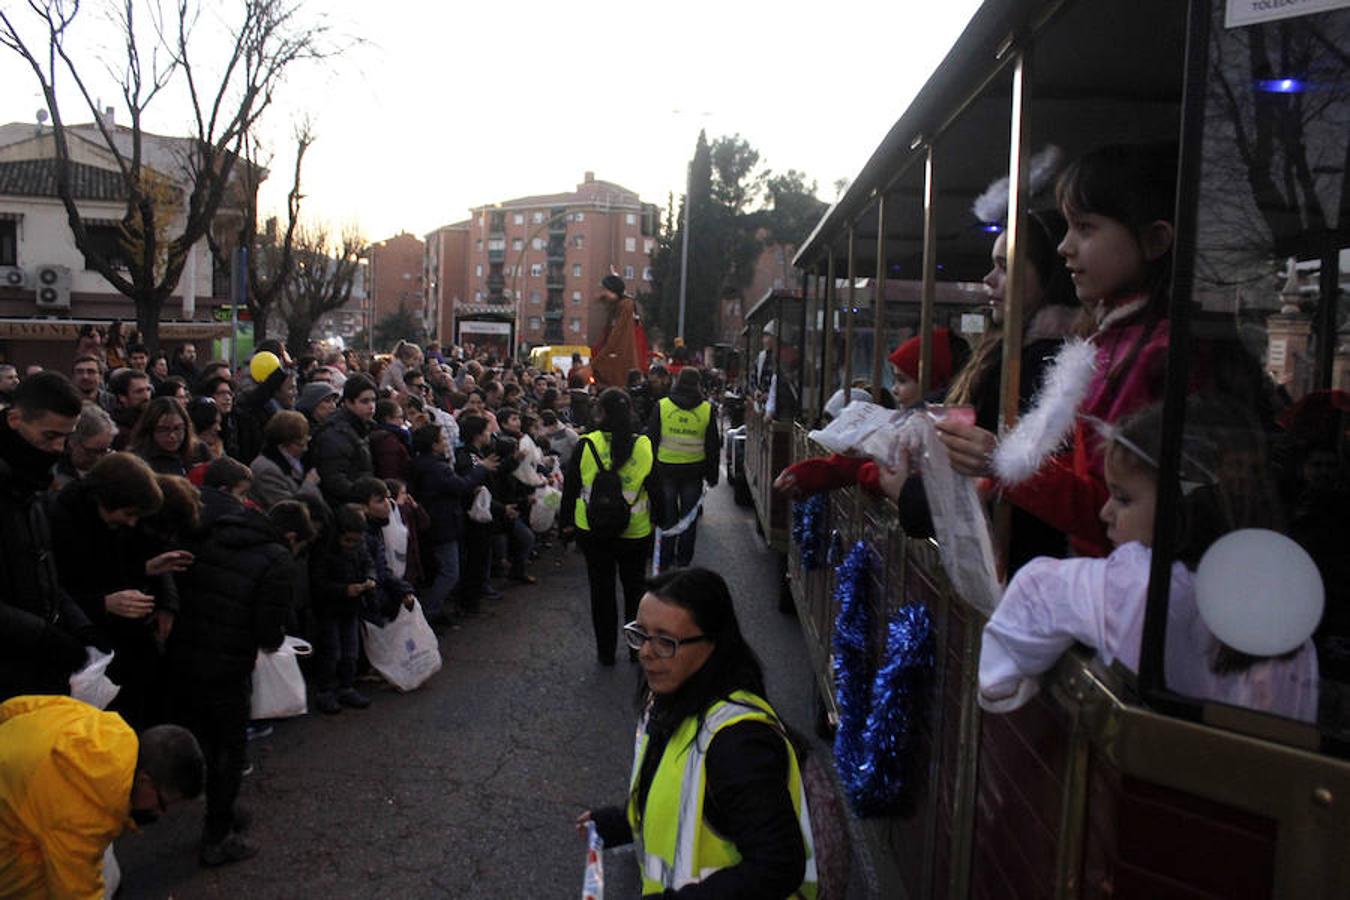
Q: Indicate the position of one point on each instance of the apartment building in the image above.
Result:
(532, 265)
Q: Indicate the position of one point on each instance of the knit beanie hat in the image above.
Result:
(906, 358)
(314, 393)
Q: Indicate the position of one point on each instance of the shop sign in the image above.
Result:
(1254, 12)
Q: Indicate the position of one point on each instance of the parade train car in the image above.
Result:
(1106, 784)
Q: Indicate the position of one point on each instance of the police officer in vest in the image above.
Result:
(610, 548)
(688, 446)
(715, 796)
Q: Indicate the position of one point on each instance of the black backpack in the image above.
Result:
(607, 511)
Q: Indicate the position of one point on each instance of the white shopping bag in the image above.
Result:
(91, 683)
(544, 510)
(481, 510)
(112, 874)
(405, 651)
(278, 686)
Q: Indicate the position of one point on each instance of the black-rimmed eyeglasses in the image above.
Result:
(664, 647)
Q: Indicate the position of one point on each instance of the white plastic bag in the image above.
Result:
(278, 686)
(481, 509)
(91, 683)
(112, 874)
(405, 651)
(544, 510)
(865, 428)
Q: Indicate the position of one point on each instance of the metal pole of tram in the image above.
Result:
(827, 371)
(879, 299)
(848, 322)
(929, 288)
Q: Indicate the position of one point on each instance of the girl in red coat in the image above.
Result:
(1119, 204)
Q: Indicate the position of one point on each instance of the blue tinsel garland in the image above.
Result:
(852, 635)
(877, 715)
(808, 518)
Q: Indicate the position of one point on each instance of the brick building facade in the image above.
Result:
(535, 263)
(394, 275)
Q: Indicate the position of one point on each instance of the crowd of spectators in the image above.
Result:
(187, 515)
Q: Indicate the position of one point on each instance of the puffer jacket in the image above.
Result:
(342, 455)
(66, 770)
(235, 598)
(444, 494)
(42, 630)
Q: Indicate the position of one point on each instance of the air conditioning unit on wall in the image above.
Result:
(52, 284)
(13, 277)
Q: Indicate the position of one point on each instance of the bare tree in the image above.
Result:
(271, 254)
(325, 275)
(162, 48)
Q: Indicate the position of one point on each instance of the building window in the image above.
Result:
(478, 271)
(478, 244)
(536, 270)
(517, 244)
(630, 219)
(536, 323)
(107, 241)
(646, 273)
(576, 297)
(537, 244)
(579, 242)
(518, 219)
(579, 217)
(628, 272)
(630, 245)
(534, 296)
(496, 244)
(575, 326)
(477, 296)
(537, 218)
(647, 246)
(9, 243)
(576, 270)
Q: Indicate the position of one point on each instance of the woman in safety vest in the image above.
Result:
(715, 799)
(611, 520)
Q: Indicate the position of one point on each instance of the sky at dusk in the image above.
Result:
(440, 107)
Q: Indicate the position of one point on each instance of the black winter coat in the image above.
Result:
(444, 494)
(234, 599)
(42, 630)
(342, 455)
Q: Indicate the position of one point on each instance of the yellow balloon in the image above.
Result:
(262, 365)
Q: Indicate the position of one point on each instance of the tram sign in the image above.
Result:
(1252, 12)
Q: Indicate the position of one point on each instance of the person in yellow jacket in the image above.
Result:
(716, 803)
(72, 778)
(683, 429)
(611, 446)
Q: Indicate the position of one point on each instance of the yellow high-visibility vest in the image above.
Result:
(675, 844)
(683, 432)
(633, 473)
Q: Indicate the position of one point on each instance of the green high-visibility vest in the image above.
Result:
(633, 473)
(676, 846)
(683, 432)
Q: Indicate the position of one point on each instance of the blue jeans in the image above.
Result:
(335, 650)
(447, 578)
(679, 494)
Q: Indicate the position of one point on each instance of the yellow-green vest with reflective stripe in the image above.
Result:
(676, 846)
(683, 432)
(633, 473)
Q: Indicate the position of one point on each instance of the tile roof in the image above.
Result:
(37, 178)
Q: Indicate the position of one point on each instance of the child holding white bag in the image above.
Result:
(1051, 604)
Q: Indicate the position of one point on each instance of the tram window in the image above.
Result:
(1271, 301)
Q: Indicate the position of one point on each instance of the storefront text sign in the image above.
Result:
(1252, 12)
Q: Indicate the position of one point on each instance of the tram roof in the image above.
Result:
(1102, 71)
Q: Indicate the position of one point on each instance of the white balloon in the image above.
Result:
(1259, 592)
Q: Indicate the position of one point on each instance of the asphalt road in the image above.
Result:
(468, 787)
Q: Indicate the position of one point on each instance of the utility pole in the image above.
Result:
(684, 247)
